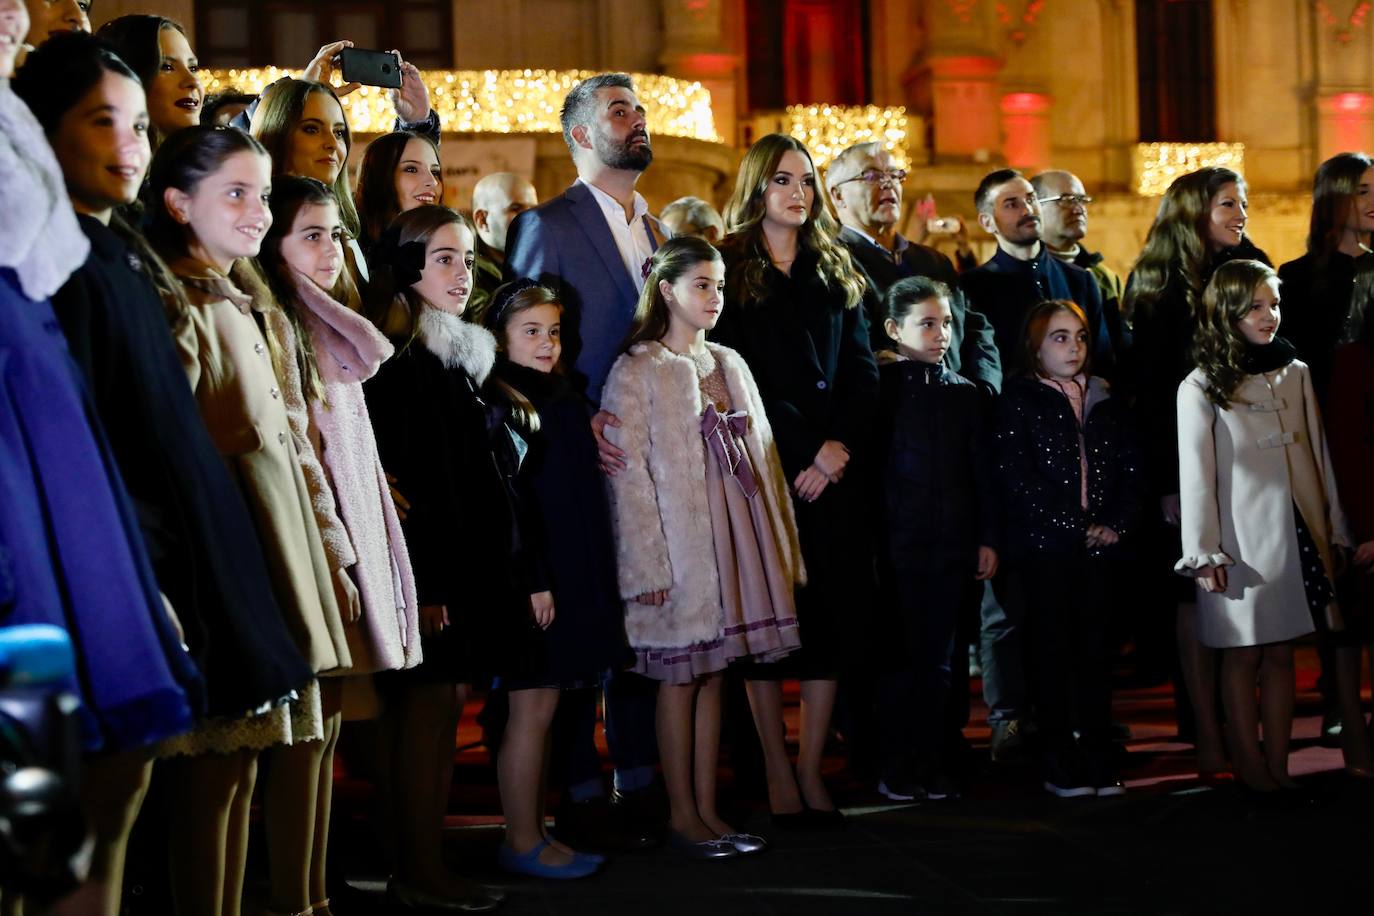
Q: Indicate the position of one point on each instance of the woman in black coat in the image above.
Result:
(1319, 292)
(1200, 225)
(793, 312)
(1318, 287)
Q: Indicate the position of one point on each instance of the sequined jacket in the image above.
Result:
(1039, 468)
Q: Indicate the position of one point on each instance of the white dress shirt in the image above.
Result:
(632, 236)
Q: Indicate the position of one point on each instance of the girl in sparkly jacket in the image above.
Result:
(1070, 473)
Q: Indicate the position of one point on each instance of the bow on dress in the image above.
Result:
(723, 433)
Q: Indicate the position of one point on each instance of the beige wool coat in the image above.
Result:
(230, 369)
(1242, 471)
(659, 506)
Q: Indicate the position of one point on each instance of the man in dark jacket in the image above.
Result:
(865, 188)
(1064, 211)
(1023, 272)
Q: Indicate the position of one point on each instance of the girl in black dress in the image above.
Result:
(792, 313)
(455, 459)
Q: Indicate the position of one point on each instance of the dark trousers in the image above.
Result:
(1068, 614)
(1001, 646)
(917, 713)
(629, 711)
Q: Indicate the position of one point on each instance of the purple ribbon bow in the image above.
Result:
(723, 433)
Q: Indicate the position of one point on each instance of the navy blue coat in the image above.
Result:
(565, 244)
(71, 553)
(935, 448)
(1040, 473)
(201, 540)
(1006, 288)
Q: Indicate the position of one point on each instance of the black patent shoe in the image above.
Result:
(595, 825)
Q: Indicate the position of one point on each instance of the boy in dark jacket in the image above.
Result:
(939, 530)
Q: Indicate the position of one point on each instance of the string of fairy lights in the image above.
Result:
(1156, 165)
(527, 101)
(502, 101)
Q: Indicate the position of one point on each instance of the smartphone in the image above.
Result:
(371, 68)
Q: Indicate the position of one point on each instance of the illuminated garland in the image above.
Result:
(828, 129)
(1158, 164)
(502, 101)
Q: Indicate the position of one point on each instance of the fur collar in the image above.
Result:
(458, 343)
(348, 348)
(39, 235)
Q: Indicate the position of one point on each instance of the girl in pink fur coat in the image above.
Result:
(329, 351)
(706, 538)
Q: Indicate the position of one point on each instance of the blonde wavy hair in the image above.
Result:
(1219, 348)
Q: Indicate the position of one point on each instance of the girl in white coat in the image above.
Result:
(1260, 516)
(706, 540)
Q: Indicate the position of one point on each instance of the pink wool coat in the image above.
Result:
(348, 487)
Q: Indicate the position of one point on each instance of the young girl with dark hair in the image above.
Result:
(1073, 488)
(938, 540)
(455, 458)
(158, 51)
(73, 542)
(400, 172)
(328, 352)
(566, 528)
(208, 189)
(1261, 519)
(705, 531)
(794, 315)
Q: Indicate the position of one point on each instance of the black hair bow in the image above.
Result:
(405, 260)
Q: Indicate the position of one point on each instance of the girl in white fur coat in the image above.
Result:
(706, 537)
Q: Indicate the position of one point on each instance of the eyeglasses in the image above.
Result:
(1069, 200)
(877, 176)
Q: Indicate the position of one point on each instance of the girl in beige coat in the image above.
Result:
(210, 190)
(706, 539)
(1260, 519)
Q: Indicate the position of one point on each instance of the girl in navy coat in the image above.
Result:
(939, 534)
(1070, 473)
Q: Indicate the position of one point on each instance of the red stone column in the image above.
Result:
(1026, 130)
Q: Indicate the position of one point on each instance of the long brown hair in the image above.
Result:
(389, 302)
(1333, 200)
(1219, 348)
(744, 221)
(376, 193)
(291, 193)
(277, 116)
(1176, 248)
(673, 259)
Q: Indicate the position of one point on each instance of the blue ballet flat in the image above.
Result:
(528, 863)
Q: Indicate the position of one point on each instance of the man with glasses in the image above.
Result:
(865, 188)
(1064, 215)
(1022, 272)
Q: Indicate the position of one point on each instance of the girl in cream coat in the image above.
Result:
(1260, 517)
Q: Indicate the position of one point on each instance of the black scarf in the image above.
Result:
(1269, 357)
